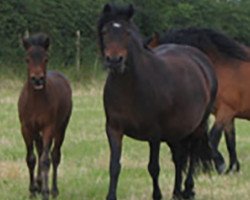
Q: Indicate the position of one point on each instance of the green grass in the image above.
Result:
(83, 172)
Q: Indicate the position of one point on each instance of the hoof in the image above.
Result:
(188, 195)
(177, 196)
(220, 168)
(109, 197)
(157, 195)
(32, 195)
(45, 195)
(54, 193)
(233, 168)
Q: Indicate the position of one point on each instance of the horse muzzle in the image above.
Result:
(115, 64)
(38, 82)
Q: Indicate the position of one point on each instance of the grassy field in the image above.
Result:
(83, 172)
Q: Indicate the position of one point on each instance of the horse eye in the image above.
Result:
(27, 60)
(104, 31)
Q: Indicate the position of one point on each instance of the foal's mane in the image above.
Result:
(206, 40)
(39, 39)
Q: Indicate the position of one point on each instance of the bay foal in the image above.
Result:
(44, 111)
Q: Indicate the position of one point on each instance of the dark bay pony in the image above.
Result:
(44, 110)
(232, 66)
(157, 96)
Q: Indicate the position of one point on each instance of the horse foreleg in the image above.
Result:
(215, 136)
(115, 143)
(231, 147)
(30, 158)
(39, 148)
(154, 168)
(45, 163)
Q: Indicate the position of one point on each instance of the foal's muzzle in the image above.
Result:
(115, 63)
(38, 82)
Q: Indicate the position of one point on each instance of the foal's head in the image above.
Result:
(37, 58)
(115, 28)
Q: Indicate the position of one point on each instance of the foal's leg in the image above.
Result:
(154, 168)
(45, 162)
(56, 158)
(231, 147)
(115, 143)
(30, 158)
(39, 148)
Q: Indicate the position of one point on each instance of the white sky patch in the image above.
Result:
(117, 25)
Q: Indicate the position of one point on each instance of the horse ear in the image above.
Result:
(46, 43)
(107, 8)
(26, 43)
(131, 11)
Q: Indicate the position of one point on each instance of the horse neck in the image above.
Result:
(136, 56)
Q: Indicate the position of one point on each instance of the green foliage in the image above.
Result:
(61, 19)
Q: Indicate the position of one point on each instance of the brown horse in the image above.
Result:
(232, 66)
(44, 111)
(154, 96)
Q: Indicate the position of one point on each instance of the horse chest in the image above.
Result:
(37, 114)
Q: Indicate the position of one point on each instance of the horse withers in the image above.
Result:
(164, 95)
(231, 62)
(44, 106)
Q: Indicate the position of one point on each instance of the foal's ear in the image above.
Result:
(46, 43)
(130, 11)
(26, 43)
(107, 8)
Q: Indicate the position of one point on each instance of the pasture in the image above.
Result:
(83, 172)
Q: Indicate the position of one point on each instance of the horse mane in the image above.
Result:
(206, 39)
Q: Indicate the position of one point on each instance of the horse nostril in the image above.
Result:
(119, 59)
(108, 59)
(114, 60)
(33, 79)
(37, 80)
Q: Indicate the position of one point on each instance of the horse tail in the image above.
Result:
(201, 149)
(200, 146)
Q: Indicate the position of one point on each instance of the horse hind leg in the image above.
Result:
(45, 162)
(215, 136)
(188, 192)
(154, 168)
(234, 165)
(179, 154)
(56, 158)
